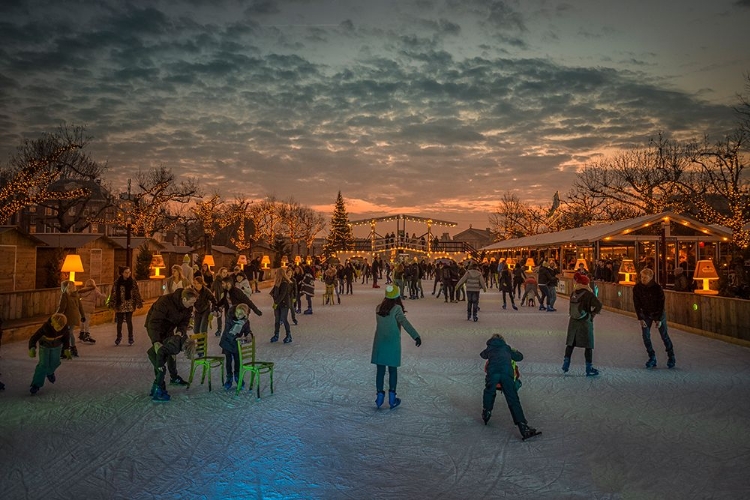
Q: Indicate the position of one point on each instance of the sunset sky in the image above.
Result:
(427, 107)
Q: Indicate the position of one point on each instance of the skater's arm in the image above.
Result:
(516, 355)
(402, 321)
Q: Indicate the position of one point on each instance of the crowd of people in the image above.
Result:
(195, 298)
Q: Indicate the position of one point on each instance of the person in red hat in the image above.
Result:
(583, 307)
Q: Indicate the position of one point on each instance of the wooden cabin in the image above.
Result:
(18, 257)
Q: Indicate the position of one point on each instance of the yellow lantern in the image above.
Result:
(628, 269)
(266, 262)
(705, 271)
(73, 265)
(209, 261)
(530, 265)
(242, 261)
(157, 263)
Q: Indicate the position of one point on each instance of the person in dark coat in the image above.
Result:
(282, 293)
(386, 346)
(506, 286)
(203, 305)
(499, 370)
(168, 317)
(648, 300)
(70, 305)
(53, 338)
(236, 325)
(681, 283)
(125, 299)
(583, 307)
(307, 288)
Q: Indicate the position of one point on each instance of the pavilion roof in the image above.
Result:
(588, 235)
(406, 217)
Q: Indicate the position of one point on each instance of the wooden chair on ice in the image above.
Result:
(248, 363)
(201, 358)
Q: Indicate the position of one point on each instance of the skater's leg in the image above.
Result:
(514, 402)
(646, 334)
(392, 378)
(490, 390)
(380, 378)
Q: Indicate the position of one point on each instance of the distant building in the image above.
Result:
(475, 237)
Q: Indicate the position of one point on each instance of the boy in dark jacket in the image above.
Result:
(236, 325)
(53, 337)
(500, 370)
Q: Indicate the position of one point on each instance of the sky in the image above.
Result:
(428, 107)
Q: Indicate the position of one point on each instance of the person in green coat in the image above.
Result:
(583, 307)
(386, 347)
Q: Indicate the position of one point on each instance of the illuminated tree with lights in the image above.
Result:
(266, 218)
(212, 215)
(31, 172)
(290, 213)
(242, 225)
(310, 224)
(724, 178)
(340, 236)
(645, 179)
(150, 209)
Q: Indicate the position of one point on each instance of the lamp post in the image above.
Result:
(128, 250)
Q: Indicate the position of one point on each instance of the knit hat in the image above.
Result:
(392, 292)
(581, 279)
(186, 258)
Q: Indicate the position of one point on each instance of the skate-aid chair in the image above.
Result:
(330, 295)
(201, 358)
(249, 364)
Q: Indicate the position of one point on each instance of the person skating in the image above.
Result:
(70, 305)
(53, 338)
(124, 299)
(282, 294)
(168, 317)
(236, 325)
(474, 284)
(499, 370)
(386, 346)
(648, 300)
(89, 295)
(506, 286)
(583, 307)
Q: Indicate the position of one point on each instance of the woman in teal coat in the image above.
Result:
(386, 347)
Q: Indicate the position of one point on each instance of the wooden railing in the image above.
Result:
(24, 304)
(710, 315)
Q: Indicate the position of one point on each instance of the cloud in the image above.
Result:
(384, 115)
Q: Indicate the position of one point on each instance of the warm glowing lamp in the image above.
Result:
(308, 260)
(266, 261)
(209, 260)
(511, 263)
(530, 265)
(157, 263)
(242, 261)
(628, 269)
(705, 272)
(73, 265)
(581, 261)
(297, 260)
(284, 261)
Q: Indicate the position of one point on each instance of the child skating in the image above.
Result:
(499, 356)
(53, 338)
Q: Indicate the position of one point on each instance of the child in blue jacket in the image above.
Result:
(53, 338)
(499, 356)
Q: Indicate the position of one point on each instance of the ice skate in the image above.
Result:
(33, 389)
(591, 371)
(670, 360)
(486, 414)
(527, 432)
(51, 377)
(288, 339)
(566, 364)
(177, 381)
(379, 399)
(161, 396)
(275, 338)
(393, 401)
(651, 363)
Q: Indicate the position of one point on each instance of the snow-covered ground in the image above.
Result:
(629, 433)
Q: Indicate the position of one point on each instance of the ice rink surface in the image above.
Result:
(630, 433)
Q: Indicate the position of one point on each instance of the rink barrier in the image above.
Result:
(723, 318)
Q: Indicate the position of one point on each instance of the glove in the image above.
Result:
(83, 319)
(32, 352)
(418, 341)
(260, 313)
(67, 354)
(658, 324)
(643, 324)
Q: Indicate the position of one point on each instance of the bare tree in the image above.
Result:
(212, 215)
(645, 179)
(267, 219)
(514, 219)
(151, 207)
(310, 224)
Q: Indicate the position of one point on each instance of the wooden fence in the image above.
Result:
(711, 315)
(30, 304)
